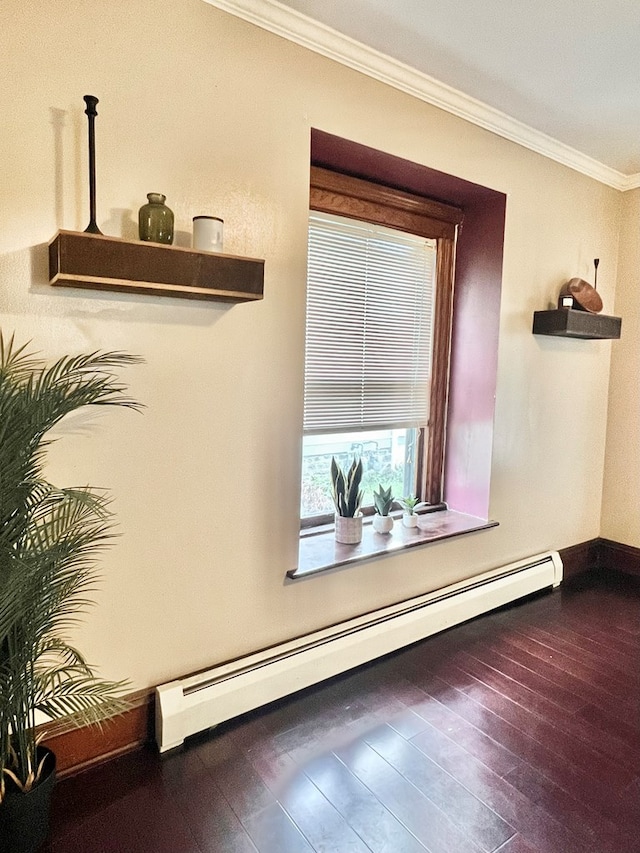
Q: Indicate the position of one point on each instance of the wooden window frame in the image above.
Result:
(343, 195)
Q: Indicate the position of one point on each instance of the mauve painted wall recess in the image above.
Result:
(476, 315)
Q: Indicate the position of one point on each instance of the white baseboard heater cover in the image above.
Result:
(195, 703)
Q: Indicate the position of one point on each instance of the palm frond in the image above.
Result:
(88, 700)
(49, 541)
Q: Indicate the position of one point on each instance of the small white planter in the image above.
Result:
(382, 523)
(348, 530)
(410, 519)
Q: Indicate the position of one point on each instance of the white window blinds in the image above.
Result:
(370, 295)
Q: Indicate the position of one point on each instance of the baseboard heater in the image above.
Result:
(195, 703)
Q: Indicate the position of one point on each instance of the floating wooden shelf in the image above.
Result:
(571, 323)
(78, 259)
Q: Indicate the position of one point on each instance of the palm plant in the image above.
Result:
(48, 540)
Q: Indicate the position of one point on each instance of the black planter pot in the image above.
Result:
(24, 818)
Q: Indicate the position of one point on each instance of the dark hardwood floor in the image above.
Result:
(518, 732)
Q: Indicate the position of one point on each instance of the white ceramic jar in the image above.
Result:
(207, 233)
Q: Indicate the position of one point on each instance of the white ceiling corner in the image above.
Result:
(291, 24)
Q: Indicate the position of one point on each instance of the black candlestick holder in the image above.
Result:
(91, 112)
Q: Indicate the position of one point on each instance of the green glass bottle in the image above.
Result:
(155, 220)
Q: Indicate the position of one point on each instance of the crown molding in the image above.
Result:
(631, 182)
(296, 27)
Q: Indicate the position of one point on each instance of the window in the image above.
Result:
(379, 294)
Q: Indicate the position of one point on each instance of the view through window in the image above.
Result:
(388, 457)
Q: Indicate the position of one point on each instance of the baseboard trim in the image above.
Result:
(600, 555)
(581, 558)
(80, 748)
(616, 557)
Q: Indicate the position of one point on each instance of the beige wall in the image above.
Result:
(621, 495)
(216, 114)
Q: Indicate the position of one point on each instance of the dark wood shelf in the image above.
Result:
(78, 259)
(571, 323)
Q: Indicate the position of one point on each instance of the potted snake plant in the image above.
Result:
(382, 501)
(49, 538)
(347, 497)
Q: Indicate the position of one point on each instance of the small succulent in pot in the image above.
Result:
(410, 504)
(347, 497)
(382, 501)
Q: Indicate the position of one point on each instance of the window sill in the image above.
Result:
(319, 552)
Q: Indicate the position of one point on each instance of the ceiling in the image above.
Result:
(553, 71)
